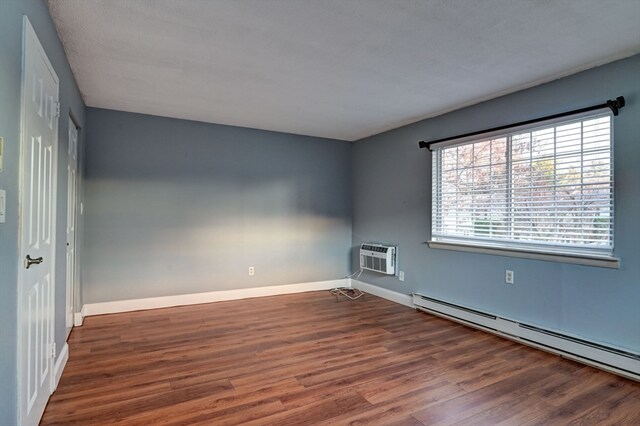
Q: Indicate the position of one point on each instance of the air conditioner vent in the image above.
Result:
(378, 257)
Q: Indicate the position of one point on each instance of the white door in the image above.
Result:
(72, 179)
(39, 141)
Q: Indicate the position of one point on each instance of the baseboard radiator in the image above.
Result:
(615, 360)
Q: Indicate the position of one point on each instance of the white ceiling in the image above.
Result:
(342, 69)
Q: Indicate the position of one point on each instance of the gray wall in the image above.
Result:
(392, 203)
(178, 207)
(11, 13)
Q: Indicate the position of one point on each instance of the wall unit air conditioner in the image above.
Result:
(378, 257)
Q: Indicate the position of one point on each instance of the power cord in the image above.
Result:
(359, 272)
(348, 292)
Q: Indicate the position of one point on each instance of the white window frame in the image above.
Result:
(540, 251)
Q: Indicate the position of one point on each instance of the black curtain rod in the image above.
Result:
(614, 105)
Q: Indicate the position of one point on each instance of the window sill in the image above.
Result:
(576, 259)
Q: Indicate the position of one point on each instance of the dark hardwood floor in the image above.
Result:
(307, 359)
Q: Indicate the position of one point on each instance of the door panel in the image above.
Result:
(37, 241)
(71, 221)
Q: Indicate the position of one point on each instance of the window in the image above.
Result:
(544, 188)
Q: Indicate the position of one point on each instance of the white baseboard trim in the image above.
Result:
(78, 317)
(213, 296)
(58, 368)
(394, 296)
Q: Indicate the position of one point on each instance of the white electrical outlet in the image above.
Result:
(3, 205)
(401, 275)
(1, 146)
(508, 277)
(252, 270)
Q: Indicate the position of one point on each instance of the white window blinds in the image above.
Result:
(546, 186)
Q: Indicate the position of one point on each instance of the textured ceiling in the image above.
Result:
(341, 69)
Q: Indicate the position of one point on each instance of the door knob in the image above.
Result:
(29, 261)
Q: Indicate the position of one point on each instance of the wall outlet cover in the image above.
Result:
(508, 277)
(3, 205)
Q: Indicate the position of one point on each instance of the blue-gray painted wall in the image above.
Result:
(182, 207)
(11, 13)
(392, 203)
(178, 207)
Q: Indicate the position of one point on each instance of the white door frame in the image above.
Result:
(72, 278)
(28, 31)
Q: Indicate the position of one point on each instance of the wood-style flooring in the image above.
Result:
(308, 359)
